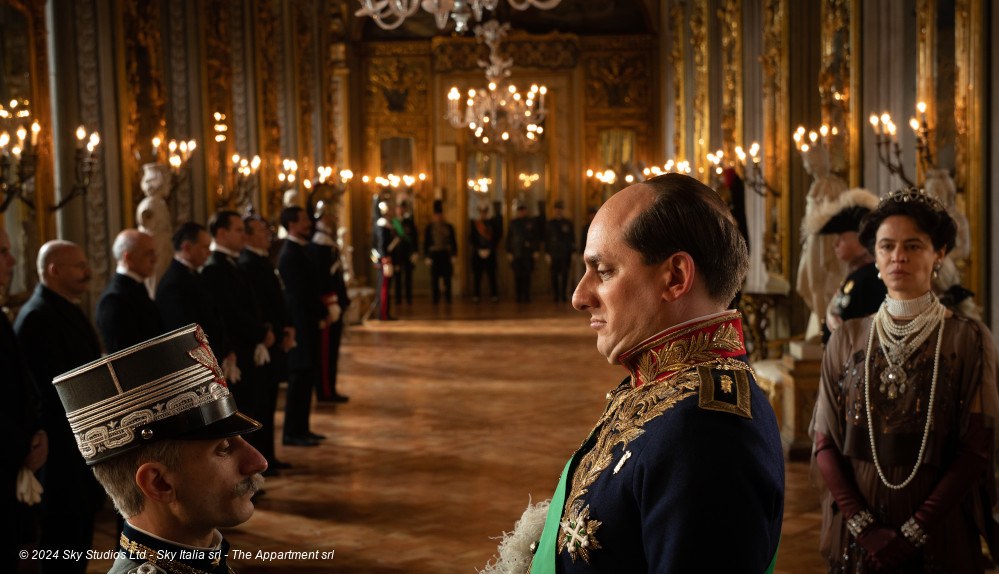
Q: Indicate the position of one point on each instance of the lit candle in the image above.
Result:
(156, 148)
(4, 140)
(921, 106)
(21, 133)
(876, 124)
(81, 134)
(914, 124)
(35, 128)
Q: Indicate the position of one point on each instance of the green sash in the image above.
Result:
(773, 563)
(546, 547)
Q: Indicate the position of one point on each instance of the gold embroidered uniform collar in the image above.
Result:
(707, 338)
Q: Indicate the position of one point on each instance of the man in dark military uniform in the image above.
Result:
(161, 432)
(55, 336)
(559, 245)
(522, 244)
(125, 313)
(180, 295)
(863, 291)
(441, 248)
(383, 245)
(484, 238)
(406, 251)
(333, 290)
(684, 471)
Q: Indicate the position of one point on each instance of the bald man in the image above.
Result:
(125, 313)
(56, 337)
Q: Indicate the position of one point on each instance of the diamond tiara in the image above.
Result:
(912, 194)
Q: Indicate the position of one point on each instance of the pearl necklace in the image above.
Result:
(909, 307)
(899, 341)
(929, 408)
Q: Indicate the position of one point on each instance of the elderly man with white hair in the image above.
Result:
(125, 313)
(56, 336)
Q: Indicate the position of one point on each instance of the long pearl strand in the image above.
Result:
(929, 409)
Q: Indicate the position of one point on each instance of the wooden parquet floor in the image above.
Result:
(457, 417)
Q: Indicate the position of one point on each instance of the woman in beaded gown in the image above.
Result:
(916, 493)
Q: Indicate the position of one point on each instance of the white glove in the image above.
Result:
(413, 258)
(29, 490)
(548, 259)
(261, 356)
(335, 312)
(484, 253)
(230, 371)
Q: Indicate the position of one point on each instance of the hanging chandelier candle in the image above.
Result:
(499, 114)
(390, 14)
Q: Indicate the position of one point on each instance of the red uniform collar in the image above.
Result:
(677, 348)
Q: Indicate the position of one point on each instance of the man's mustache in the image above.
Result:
(251, 484)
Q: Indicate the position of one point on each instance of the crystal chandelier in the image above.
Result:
(390, 14)
(499, 114)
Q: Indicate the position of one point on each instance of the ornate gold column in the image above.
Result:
(777, 131)
(701, 105)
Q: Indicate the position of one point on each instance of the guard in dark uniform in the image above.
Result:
(522, 245)
(863, 291)
(405, 253)
(559, 245)
(162, 413)
(325, 254)
(383, 244)
(484, 238)
(441, 248)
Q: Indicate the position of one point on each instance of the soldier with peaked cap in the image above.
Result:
(522, 243)
(333, 291)
(559, 245)
(441, 249)
(862, 292)
(161, 431)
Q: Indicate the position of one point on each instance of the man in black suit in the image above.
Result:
(180, 295)
(263, 278)
(333, 290)
(308, 314)
(441, 249)
(56, 337)
(20, 424)
(125, 313)
(247, 334)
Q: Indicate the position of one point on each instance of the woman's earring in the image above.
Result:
(936, 271)
(879, 270)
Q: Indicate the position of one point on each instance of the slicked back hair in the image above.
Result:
(688, 216)
(289, 215)
(189, 232)
(221, 220)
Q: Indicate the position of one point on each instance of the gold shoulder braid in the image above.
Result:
(142, 552)
(629, 409)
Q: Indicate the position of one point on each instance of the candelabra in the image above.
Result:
(85, 160)
(753, 171)
(499, 114)
(886, 138)
(18, 159)
(923, 133)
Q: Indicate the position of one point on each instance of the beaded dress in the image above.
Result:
(966, 384)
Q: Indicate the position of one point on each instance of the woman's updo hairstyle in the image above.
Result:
(924, 209)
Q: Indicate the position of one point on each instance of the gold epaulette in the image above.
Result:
(725, 390)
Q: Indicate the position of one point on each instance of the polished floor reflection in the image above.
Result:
(457, 417)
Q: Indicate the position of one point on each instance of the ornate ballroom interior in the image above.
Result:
(257, 104)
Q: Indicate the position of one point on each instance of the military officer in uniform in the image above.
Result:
(522, 244)
(383, 245)
(333, 290)
(684, 471)
(441, 249)
(161, 432)
(559, 246)
(863, 291)
(405, 253)
(125, 313)
(484, 238)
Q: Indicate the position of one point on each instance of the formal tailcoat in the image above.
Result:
(265, 281)
(57, 337)
(20, 419)
(126, 315)
(142, 553)
(182, 299)
(304, 301)
(237, 305)
(684, 472)
(559, 238)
